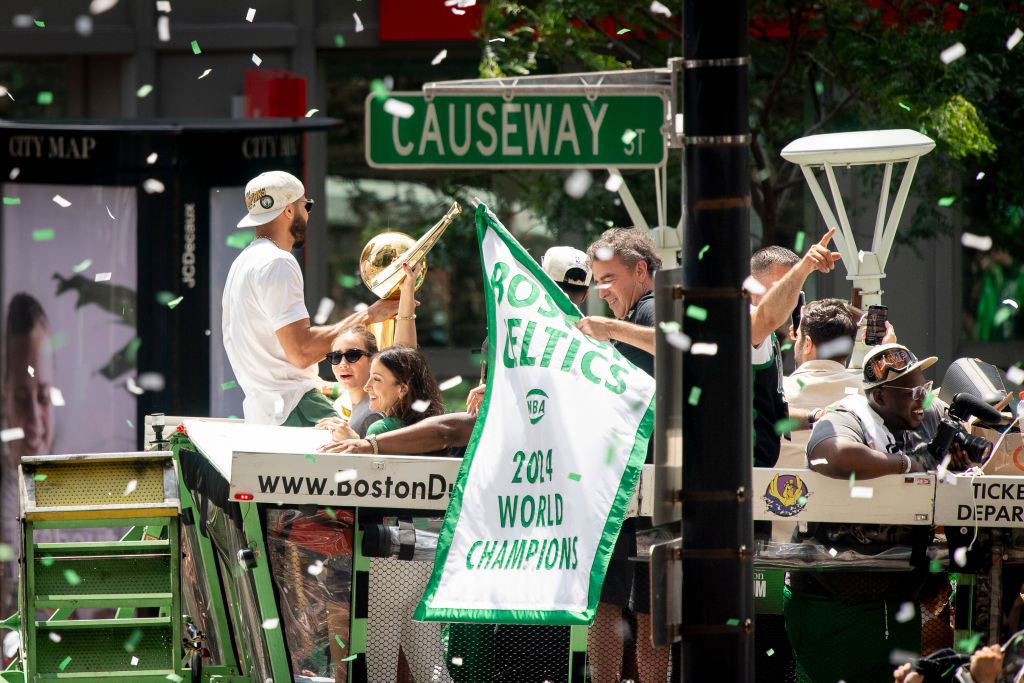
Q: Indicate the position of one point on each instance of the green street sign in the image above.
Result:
(526, 131)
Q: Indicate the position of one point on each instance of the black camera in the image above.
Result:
(950, 431)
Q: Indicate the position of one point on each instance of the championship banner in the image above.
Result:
(553, 461)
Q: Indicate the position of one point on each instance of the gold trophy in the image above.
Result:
(380, 266)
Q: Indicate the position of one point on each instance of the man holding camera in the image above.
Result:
(843, 625)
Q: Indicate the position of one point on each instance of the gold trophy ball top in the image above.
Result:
(380, 252)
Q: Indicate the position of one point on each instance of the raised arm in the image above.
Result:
(405, 321)
(305, 345)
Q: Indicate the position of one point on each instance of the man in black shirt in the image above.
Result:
(624, 261)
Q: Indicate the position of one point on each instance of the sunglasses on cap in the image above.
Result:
(897, 360)
(350, 356)
(917, 393)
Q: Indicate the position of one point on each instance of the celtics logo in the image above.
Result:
(266, 201)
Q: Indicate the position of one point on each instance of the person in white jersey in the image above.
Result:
(272, 348)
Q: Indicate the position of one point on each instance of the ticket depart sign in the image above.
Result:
(553, 461)
(526, 131)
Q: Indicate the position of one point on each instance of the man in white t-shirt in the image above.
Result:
(272, 348)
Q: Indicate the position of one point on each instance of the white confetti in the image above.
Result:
(83, 25)
(151, 159)
(344, 475)
(613, 183)
(256, 59)
(360, 307)
(152, 186)
(851, 391)
(604, 254)
(819, 461)
(152, 381)
(1014, 38)
(323, 310)
(316, 568)
(3, 91)
(101, 277)
(135, 660)
(205, 74)
(439, 57)
(578, 182)
(952, 53)
(250, 15)
(15, 172)
(1015, 375)
(278, 406)
(420, 405)
(450, 383)
(131, 486)
(678, 340)
(862, 492)
(12, 641)
(704, 349)
(496, 40)
(835, 348)
(22, 20)
(31, 371)
(133, 387)
(460, 12)
(109, 213)
(402, 110)
(960, 556)
(311, 112)
(658, 8)
(979, 242)
(163, 28)
(271, 623)
(60, 201)
(359, 23)
(163, 6)
(981, 174)
(833, 552)
(57, 397)
(905, 613)
(457, 661)
(101, 6)
(1010, 302)
(12, 434)
(753, 286)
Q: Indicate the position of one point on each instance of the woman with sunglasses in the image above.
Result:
(350, 361)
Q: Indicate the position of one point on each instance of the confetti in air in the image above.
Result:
(15, 172)
(110, 213)
(311, 112)
(704, 349)
(130, 488)
(316, 568)
(344, 475)
(101, 277)
(57, 397)
(836, 347)
(144, 90)
(323, 310)
(152, 186)
(753, 286)
(230, 384)
(12, 201)
(439, 57)
(1013, 373)
(613, 183)
(628, 136)
(360, 307)
(669, 326)
(696, 312)
(133, 387)
(271, 623)
(402, 110)
(620, 32)
(60, 201)
(450, 383)
(1010, 302)
(359, 23)
(152, 381)
(903, 106)
(250, 15)
(574, 476)
(786, 425)
(862, 492)
(55, 637)
(135, 660)
(64, 663)
(256, 59)
(953, 53)
(703, 250)
(101, 6)
(83, 25)
(72, 577)
(204, 74)
(658, 8)
(981, 174)
(694, 397)
(163, 6)
(905, 613)
(578, 182)
(798, 246)
(174, 302)
(960, 556)
(163, 28)
(420, 405)
(195, 48)
(678, 340)
(82, 265)
(11, 434)
(979, 242)
(43, 234)
(605, 254)
(1014, 38)
(833, 552)
(946, 201)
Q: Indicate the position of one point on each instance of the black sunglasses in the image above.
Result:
(350, 356)
(309, 205)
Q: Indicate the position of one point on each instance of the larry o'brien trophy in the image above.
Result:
(380, 265)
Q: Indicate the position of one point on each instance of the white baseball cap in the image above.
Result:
(568, 265)
(268, 195)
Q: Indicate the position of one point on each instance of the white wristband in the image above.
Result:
(906, 463)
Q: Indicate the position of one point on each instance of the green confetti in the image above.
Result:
(968, 645)
(802, 500)
(694, 396)
(574, 476)
(310, 458)
(928, 400)
(40, 477)
(379, 90)
(12, 201)
(82, 265)
(64, 664)
(43, 234)
(55, 342)
(339, 40)
(670, 326)
(44, 97)
(131, 351)
(47, 560)
(195, 47)
(133, 640)
(338, 638)
(1002, 315)
(174, 302)
(763, 174)
(163, 296)
(853, 479)
(346, 280)
(42, 24)
(963, 6)
(696, 312)
(935, 566)
(349, 658)
(130, 425)
(819, 87)
(72, 577)
(144, 90)
(798, 246)
(610, 455)
(903, 106)
(240, 239)
(6, 552)
(786, 347)
(946, 201)
(628, 136)
(770, 652)
(703, 250)
(733, 622)
(800, 383)
(622, 31)
(330, 513)
(787, 425)
(228, 385)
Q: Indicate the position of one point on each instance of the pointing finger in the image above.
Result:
(828, 237)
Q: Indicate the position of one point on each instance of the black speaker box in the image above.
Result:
(974, 376)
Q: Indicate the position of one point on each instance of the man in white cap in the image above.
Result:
(272, 348)
(569, 269)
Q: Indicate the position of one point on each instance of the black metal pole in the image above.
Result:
(718, 602)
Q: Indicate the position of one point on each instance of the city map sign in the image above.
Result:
(525, 131)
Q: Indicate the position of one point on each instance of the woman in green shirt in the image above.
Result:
(401, 387)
